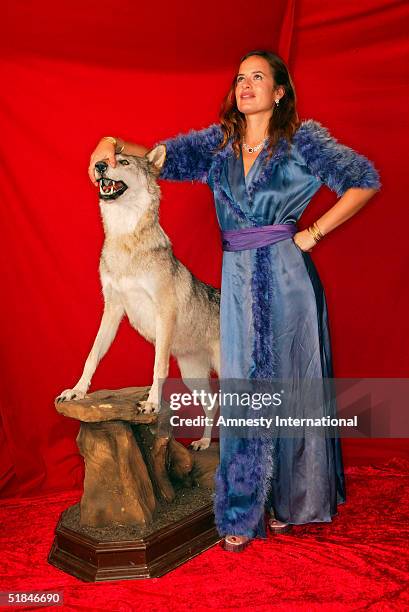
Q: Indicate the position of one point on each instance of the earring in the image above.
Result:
(277, 101)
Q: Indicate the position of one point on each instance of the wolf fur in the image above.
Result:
(141, 278)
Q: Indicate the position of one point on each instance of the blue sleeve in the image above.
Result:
(335, 164)
(189, 156)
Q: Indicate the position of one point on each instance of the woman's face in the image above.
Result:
(255, 87)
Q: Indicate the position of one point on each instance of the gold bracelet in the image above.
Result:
(318, 229)
(110, 139)
(315, 232)
(320, 234)
(312, 234)
(115, 143)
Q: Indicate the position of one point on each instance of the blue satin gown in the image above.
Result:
(307, 479)
(273, 316)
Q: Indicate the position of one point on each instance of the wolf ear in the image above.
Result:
(157, 156)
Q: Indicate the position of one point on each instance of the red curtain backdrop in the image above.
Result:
(74, 72)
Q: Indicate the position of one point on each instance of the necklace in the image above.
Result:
(255, 148)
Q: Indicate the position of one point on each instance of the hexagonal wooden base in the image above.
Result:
(94, 561)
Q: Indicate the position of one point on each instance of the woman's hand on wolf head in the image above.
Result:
(105, 151)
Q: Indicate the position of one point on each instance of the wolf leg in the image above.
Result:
(195, 369)
(165, 326)
(113, 313)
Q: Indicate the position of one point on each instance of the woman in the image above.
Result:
(264, 166)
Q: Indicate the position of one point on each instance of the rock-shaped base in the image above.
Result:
(132, 462)
(117, 486)
(147, 504)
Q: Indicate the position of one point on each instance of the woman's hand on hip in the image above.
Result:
(104, 151)
(304, 240)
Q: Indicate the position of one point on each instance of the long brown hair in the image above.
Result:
(284, 120)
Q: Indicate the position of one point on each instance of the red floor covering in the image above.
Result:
(359, 562)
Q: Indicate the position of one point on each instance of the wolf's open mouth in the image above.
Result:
(109, 189)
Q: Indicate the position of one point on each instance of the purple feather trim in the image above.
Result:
(215, 184)
(189, 156)
(262, 292)
(280, 154)
(247, 474)
(251, 468)
(335, 164)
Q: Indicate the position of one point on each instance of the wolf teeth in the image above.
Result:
(110, 192)
(107, 183)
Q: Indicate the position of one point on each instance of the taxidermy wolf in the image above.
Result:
(142, 278)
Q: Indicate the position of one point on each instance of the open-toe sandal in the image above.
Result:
(276, 527)
(234, 543)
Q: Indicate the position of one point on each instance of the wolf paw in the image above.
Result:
(146, 407)
(200, 445)
(70, 394)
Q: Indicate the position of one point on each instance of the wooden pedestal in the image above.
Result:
(93, 561)
(147, 502)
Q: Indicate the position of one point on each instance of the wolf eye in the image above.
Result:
(124, 162)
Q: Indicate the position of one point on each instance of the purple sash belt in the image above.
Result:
(253, 237)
